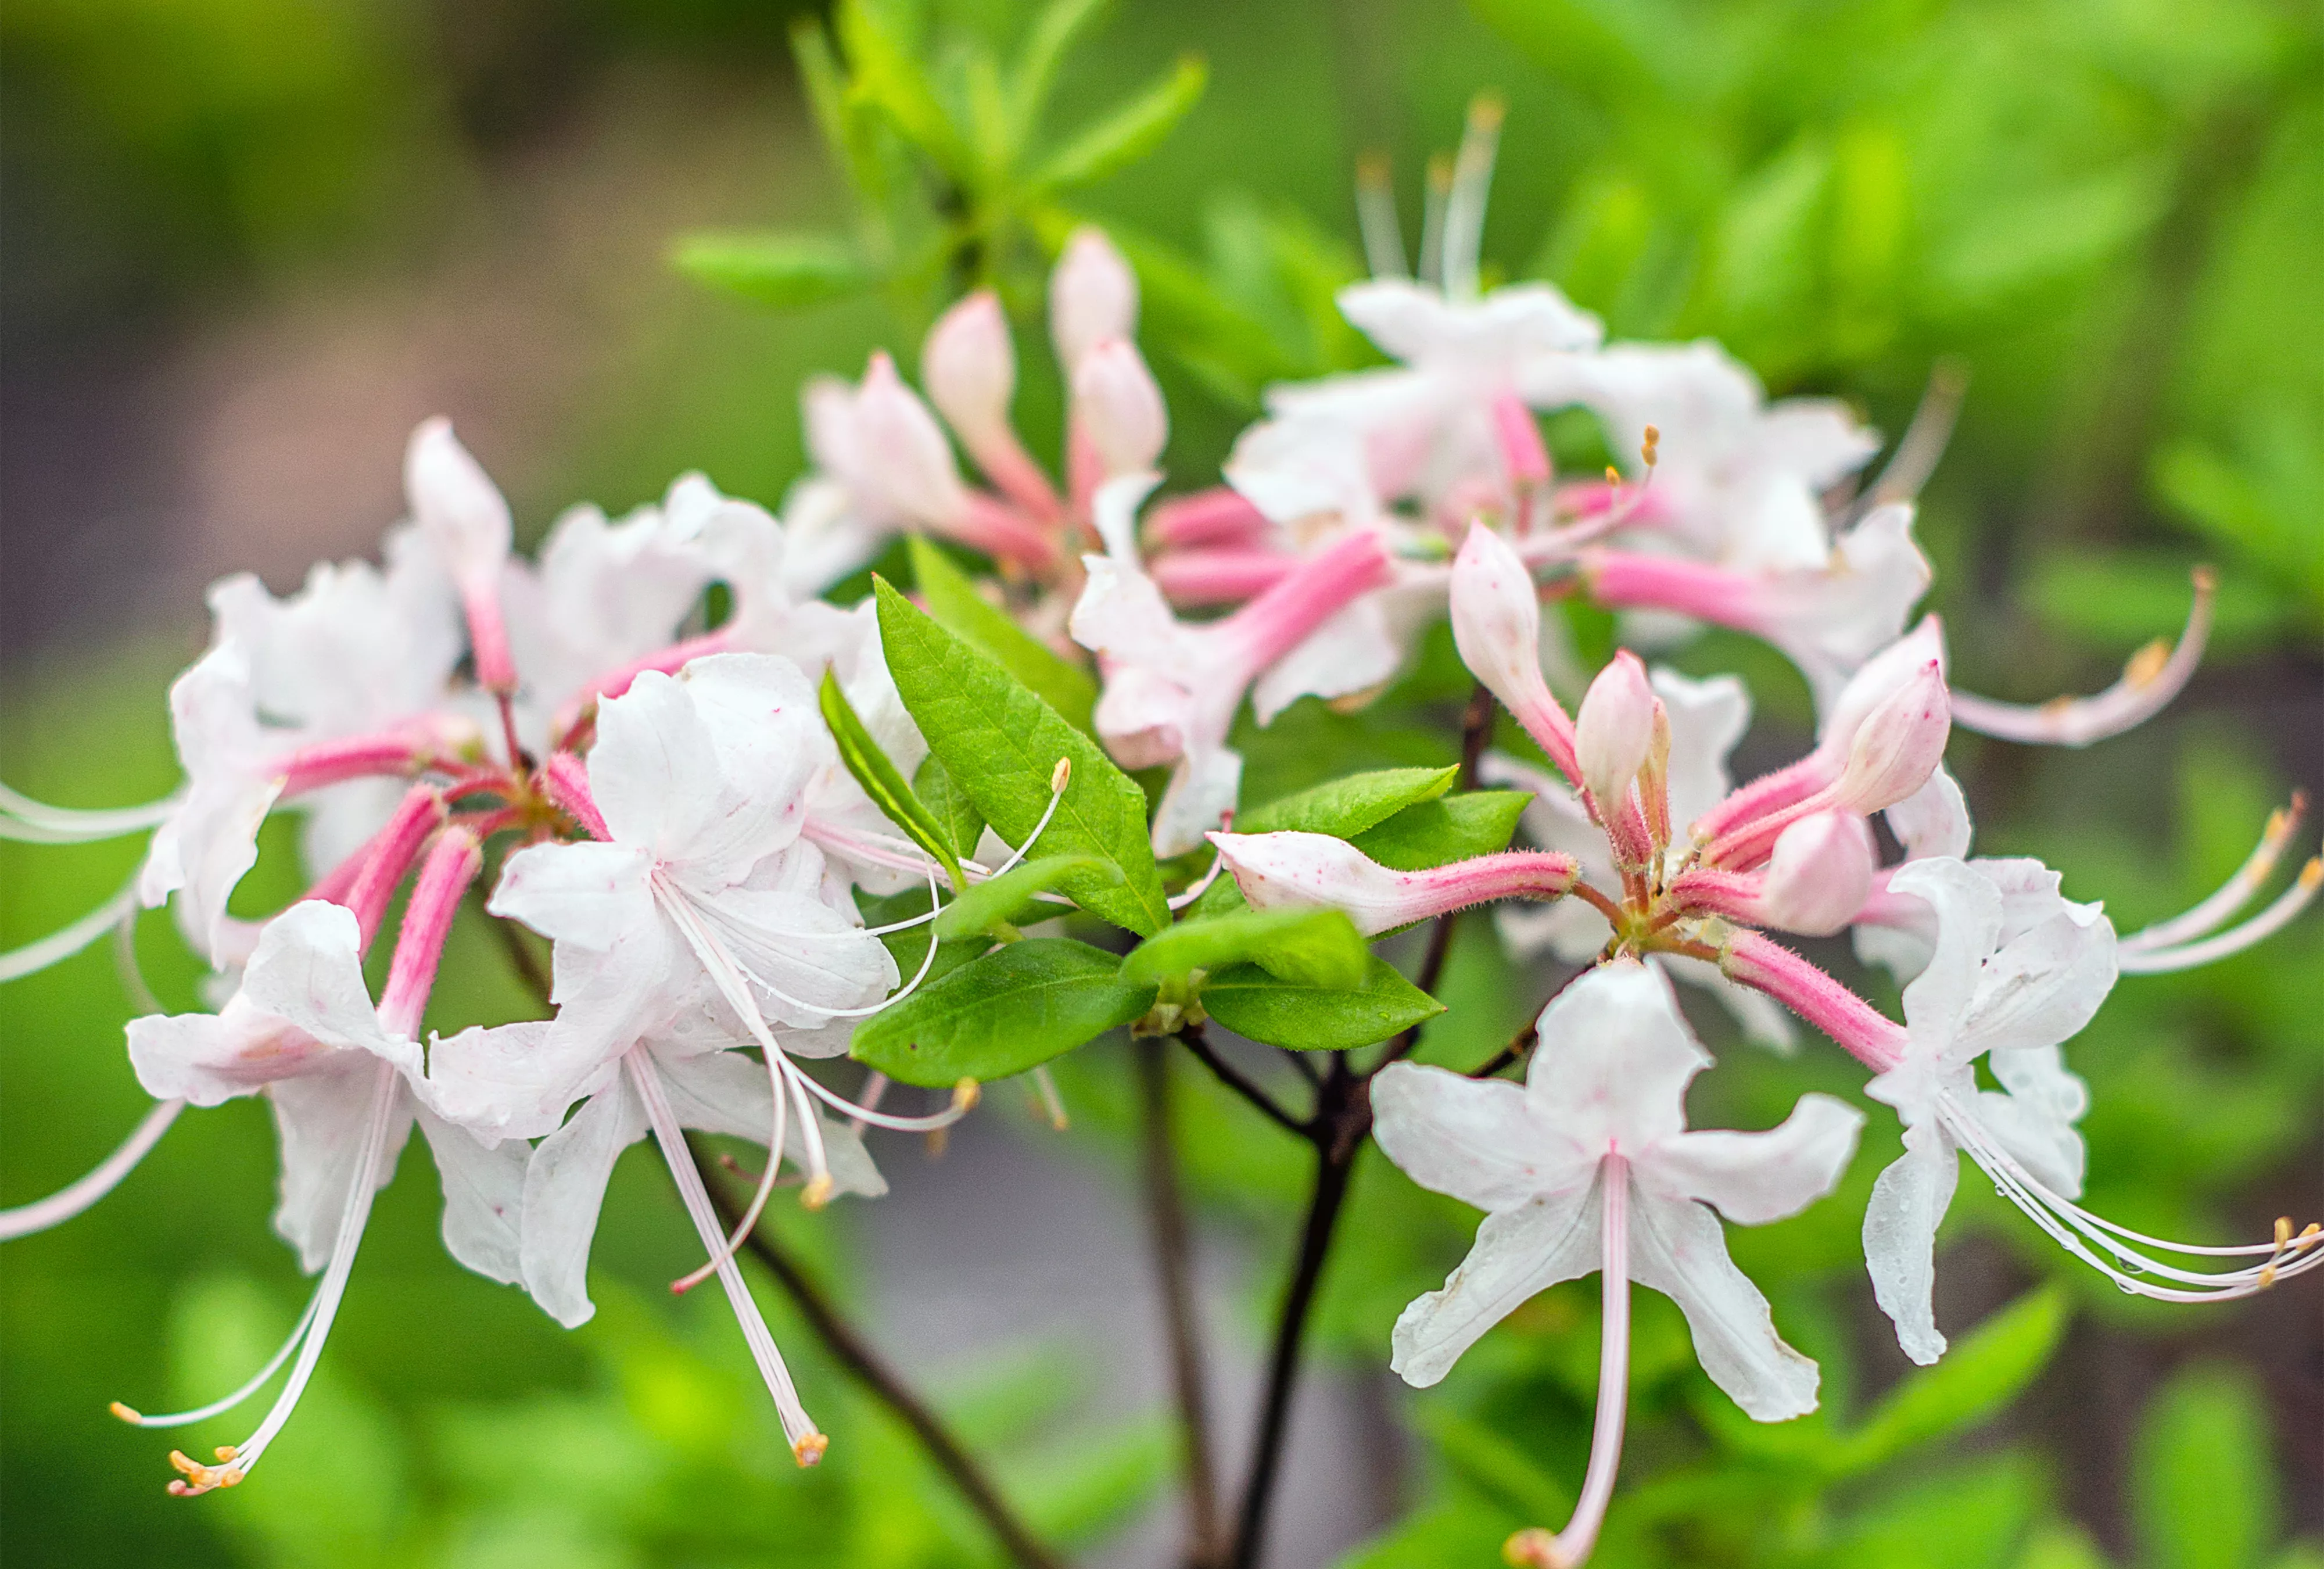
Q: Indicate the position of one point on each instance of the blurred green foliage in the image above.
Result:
(2111, 211)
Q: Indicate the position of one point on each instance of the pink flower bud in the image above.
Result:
(970, 368)
(456, 505)
(903, 449)
(1298, 871)
(1092, 296)
(1497, 626)
(1615, 730)
(1899, 744)
(1819, 875)
(1117, 407)
(1885, 673)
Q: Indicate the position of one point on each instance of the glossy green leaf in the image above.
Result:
(1000, 743)
(1127, 135)
(909, 946)
(783, 270)
(1262, 1007)
(997, 900)
(2204, 1496)
(1474, 823)
(1978, 1376)
(1314, 947)
(1014, 1008)
(963, 824)
(883, 782)
(889, 75)
(951, 598)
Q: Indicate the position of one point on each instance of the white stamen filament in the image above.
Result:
(807, 1443)
(1432, 220)
(1200, 886)
(875, 1089)
(1464, 204)
(2068, 1224)
(2142, 692)
(78, 825)
(1044, 1084)
(59, 945)
(2235, 939)
(387, 1103)
(768, 1181)
(1375, 218)
(1573, 1545)
(224, 1403)
(69, 1201)
(125, 963)
(2234, 893)
(963, 1101)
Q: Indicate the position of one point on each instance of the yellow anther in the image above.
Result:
(1647, 448)
(809, 1449)
(2147, 662)
(1613, 477)
(1060, 776)
(226, 1451)
(2313, 873)
(966, 1095)
(1533, 1548)
(126, 1412)
(1372, 170)
(817, 1192)
(186, 1464)
(1486, 112)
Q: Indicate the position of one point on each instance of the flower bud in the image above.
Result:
(1819, 875)
(1883, 673)
(1899, 744)
(456, 505)
(1119, 408)
(1092, 297)
(1497, 627)
(969, 366)
(902, 450)
(1615, 730)
(1305, 871)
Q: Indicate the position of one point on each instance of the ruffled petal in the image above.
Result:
(484, 1196)
(564, 1190)
(588, 894)
(1548, 1238)
(1678, 1248)
(1757, 1178)
(1614, 1059)
(1900, 1236)
(320, 1121)
(1478, 1141)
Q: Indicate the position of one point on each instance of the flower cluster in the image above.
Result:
(694, 810)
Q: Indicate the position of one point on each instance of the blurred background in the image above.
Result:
(246, 245)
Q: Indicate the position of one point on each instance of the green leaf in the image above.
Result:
(909, 945)
(1317, 948)
(889, 76)
(1010, 1011)
(2204, 1493)
(1000, 743)
(1261, 1007)
(996, 899)
(1341, 807)
(1976, 1378)
(1128, 134)
(1053, 33)
(784, 270)
(964, 825)
(953, 600)
(881, 782)
(1475, 823)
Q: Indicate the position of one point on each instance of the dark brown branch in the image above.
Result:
(1343, 1118)
(1233, 1077)
(1166, 1214)
(1516, 1050)
(1476, 732)
(857, 1356)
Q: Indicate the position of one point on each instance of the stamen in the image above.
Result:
(2146, 686)
(2235, 939)
(766, 1181)
(225, 1403)
(1201, 884)
(387, 1101)
(1464, 204)
(60, 945)
(1432, 220)
(1045, 1087)
(964, 1096)
(807, 1443)
(1925, 440)
(69, 1201)
(79, 825)
(2235, 892)
(1375, 217)
(125, 965)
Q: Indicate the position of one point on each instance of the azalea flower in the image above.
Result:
(1590, 1166)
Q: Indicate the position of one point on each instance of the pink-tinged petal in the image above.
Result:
(1497, 626)
(1478, 1141)
(587, 894)
(508, 1081)
(1883, 675)
(1119, 408)
(1753, 1178)
(484, 1196)
(2034, 1120)
(1678, 1248)
(1614, 1059)
(320, 1121)
(1818, 876)
(207, 1059)
(969, 366)
(1092, 296)
(1909, 1200)
(1354, 651)
(763, 721)
(564, 1190)
(1969, 915)
(1546, 1240)
(308, 972)
(1614, 730)
(1933, 820)
(654, 769)
(907, 462)
(1146, 719)
(1201, 791)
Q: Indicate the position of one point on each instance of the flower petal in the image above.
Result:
(1614, 1059)
(1478, 1141)
(320, 1121)
(1900, 1236)
(564, 1189)
(1757, 1178)
(483, 1195)
(587, 894)
(1549, 1238)
(1678, 1248)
